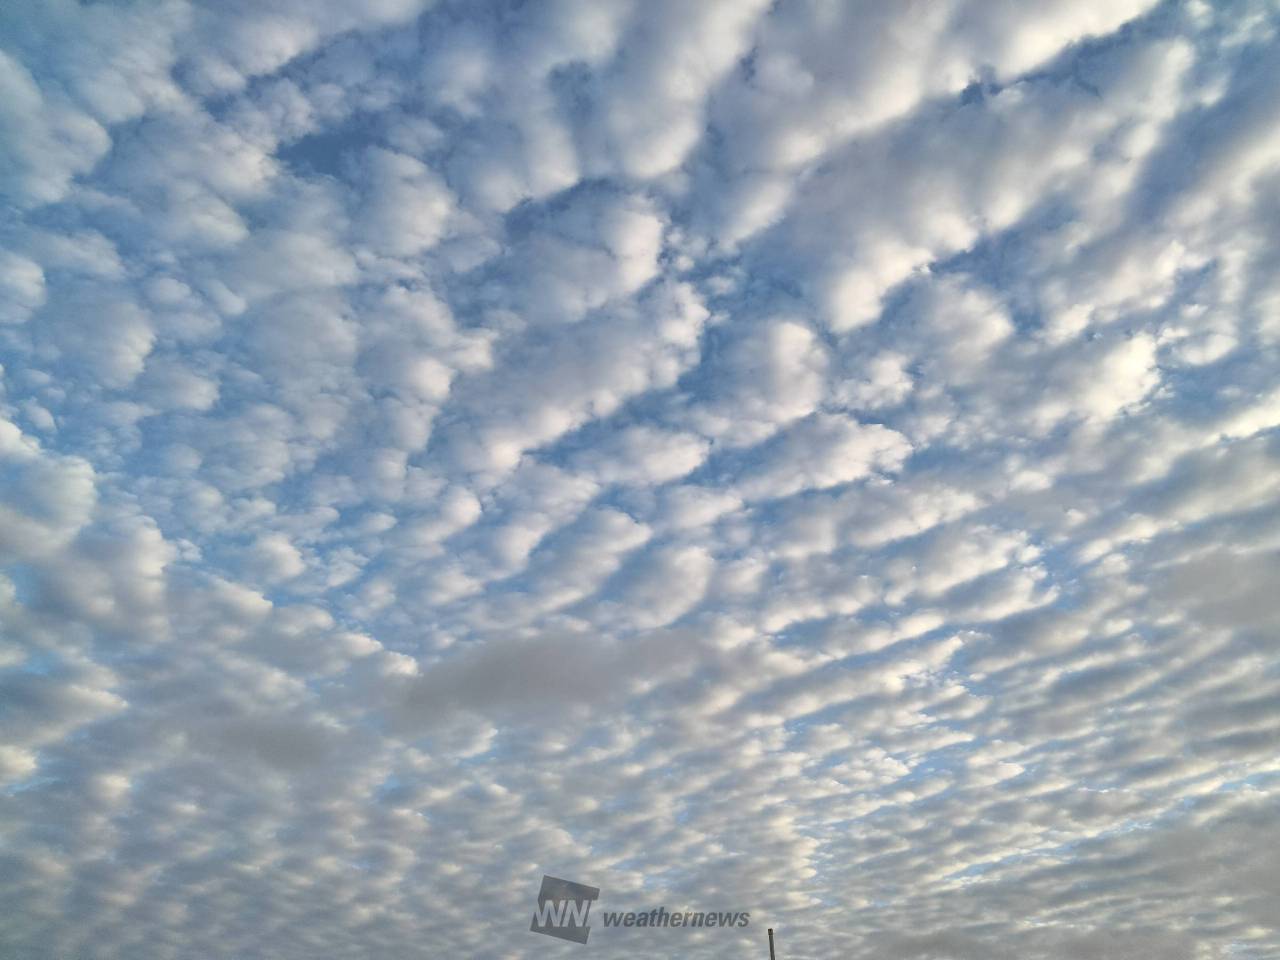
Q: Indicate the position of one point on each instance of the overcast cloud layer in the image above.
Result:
(815, 458)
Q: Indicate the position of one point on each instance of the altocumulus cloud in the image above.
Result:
(818, 459)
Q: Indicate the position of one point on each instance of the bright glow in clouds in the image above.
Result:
(813, 458)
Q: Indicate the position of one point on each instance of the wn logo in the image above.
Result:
(562, 909)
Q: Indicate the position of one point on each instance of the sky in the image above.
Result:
(811, 458)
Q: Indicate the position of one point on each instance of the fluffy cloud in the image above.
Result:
(810, 458)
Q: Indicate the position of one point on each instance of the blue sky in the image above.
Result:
(814, 458)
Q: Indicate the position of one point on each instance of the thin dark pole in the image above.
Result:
(771, 956)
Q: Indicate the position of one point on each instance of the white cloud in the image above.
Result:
(23, 285)
(408, 207)
(645, 456)
(773, 373)
(48, 144)
(822, 451)
(813, 458)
